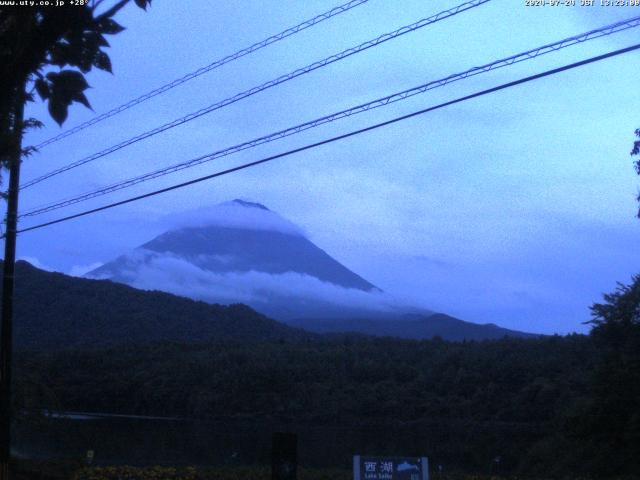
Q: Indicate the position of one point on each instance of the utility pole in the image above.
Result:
(6, 334)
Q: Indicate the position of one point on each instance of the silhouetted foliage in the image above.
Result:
(635, 151)
(613, 417)
(550, 406)
(477, 399)
(37, 43)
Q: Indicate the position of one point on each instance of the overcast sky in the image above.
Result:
(517, 208)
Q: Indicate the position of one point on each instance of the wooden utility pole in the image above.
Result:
(6, 327)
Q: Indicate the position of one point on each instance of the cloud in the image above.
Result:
(235, 214)
(153, 271)
(80, 270)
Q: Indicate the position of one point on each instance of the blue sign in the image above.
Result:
(390, 468)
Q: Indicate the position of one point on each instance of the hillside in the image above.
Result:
(414, 326)
(56, 311)
(72, 312)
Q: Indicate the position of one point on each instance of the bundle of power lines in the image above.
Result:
(274, 136)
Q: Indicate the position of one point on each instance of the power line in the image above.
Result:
(272, 83)
(528, 55)
(341, 137)
(207, 68)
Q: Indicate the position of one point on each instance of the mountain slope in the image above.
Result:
(411, 327)
(244, 252)
(55, 311)
(224, 249)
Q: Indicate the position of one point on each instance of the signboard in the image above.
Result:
(390, 468)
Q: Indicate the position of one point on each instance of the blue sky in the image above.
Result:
(517, 208)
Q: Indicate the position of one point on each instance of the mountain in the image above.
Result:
(243, 252)
(223, 248)
(53, 311)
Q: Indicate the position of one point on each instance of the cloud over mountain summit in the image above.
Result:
(241, 251)
(237, 213)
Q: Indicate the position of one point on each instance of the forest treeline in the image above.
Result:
(542, 406)
(534, 403)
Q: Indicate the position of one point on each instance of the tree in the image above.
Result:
(620, 313)
(636, 151)
(37, 44)
(614, 416)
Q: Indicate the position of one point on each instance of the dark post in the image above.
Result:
(284, 456)
(6, 335)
